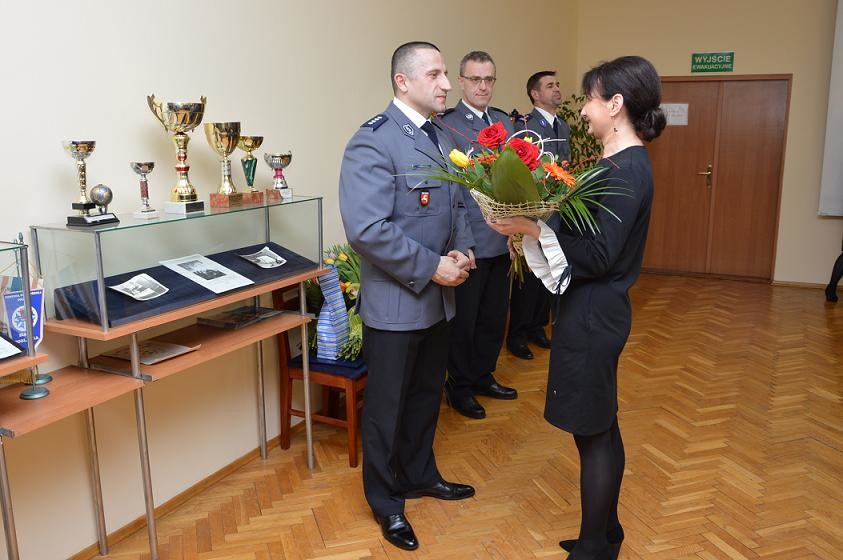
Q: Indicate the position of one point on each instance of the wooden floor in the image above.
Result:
(731, 410)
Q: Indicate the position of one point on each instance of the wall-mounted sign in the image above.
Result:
(676, 113)
(713, 62)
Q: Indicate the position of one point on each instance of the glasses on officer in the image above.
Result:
(477, 80)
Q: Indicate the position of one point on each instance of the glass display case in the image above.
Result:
(97, 287)
(81, 266)
(17, 328)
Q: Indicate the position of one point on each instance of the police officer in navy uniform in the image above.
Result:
(413, 236)
(478, 329)
(530, 303)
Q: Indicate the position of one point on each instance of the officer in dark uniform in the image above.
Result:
(530, 303)
(414, 240)
(478, 328)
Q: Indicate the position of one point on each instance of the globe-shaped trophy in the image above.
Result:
(250, 163)
(223, 138)
(143, 168)
(79, 150)
(179, 119)
(280, 189)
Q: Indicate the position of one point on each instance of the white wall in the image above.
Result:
(303, 74)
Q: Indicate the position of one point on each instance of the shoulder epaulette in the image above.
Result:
(448, 111)
(375, 122)
(498, 110)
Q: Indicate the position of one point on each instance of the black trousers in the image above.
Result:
(400, 411)
(529, 309)
(478, 328)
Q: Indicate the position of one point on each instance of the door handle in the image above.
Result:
(707, 174)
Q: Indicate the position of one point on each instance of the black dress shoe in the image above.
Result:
(831, 293)
(398, 531)
(520, 351)
(443, 490)
(496, 391)
(540, 340)
(467, 405)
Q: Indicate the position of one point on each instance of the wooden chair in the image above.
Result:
(333, 376)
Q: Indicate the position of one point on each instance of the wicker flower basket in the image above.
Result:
(492, 209)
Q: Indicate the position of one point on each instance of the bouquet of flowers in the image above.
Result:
(515, 176)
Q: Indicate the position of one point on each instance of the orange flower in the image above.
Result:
(485, 159)
(557, 172)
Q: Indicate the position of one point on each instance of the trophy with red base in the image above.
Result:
(279, 190)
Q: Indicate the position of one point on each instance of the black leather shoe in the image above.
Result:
(540, 340)
(831, 293)
(520, 351)
(443, 490)
(497, 391)
(467, 406)
(614, 536)
(398, 531)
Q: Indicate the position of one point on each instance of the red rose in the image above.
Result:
(493, 136)
(527, 151)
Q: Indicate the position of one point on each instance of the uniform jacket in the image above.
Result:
(463, 125)
(536, 122)
(400, 222)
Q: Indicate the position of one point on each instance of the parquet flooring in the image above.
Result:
(732, 413)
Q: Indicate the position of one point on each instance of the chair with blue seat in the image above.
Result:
(333, 376)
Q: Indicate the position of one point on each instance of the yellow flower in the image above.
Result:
(528, 139)
(329, 261)
(459, 158)
(343, 257)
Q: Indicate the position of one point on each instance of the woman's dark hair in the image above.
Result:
(638, 82)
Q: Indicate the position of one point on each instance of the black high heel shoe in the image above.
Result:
(614, 536)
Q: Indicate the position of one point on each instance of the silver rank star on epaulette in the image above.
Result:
(375, 122)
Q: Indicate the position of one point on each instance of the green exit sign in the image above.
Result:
(713, 62)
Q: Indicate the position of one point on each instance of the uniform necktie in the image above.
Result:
(431, 133)
(556, 127)
(486, 118)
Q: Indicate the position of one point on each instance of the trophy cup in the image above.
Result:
(279, 189)
(80, 150)
(179, 119)
(223, 138)
(248, 144)
(143, 168)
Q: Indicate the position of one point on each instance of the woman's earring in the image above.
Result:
(613, 125)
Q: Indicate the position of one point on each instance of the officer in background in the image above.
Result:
(478, 328)
(530, 304)
(413, 237)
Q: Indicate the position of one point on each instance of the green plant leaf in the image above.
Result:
(512, 181)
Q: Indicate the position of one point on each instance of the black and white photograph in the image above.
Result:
(265, 258)
(200, 269)
(142, 287)
(207, 273)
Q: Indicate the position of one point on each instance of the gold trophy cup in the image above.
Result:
(179, 119)
(279, 189)
(249, 162)
(223, 138)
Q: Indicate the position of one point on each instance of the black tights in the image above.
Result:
(601, 472)
(836, 274)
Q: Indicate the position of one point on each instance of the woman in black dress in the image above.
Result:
(591, 329)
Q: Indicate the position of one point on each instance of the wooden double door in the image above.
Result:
(718, 177)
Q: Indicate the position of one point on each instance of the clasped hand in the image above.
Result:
(452, 269)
